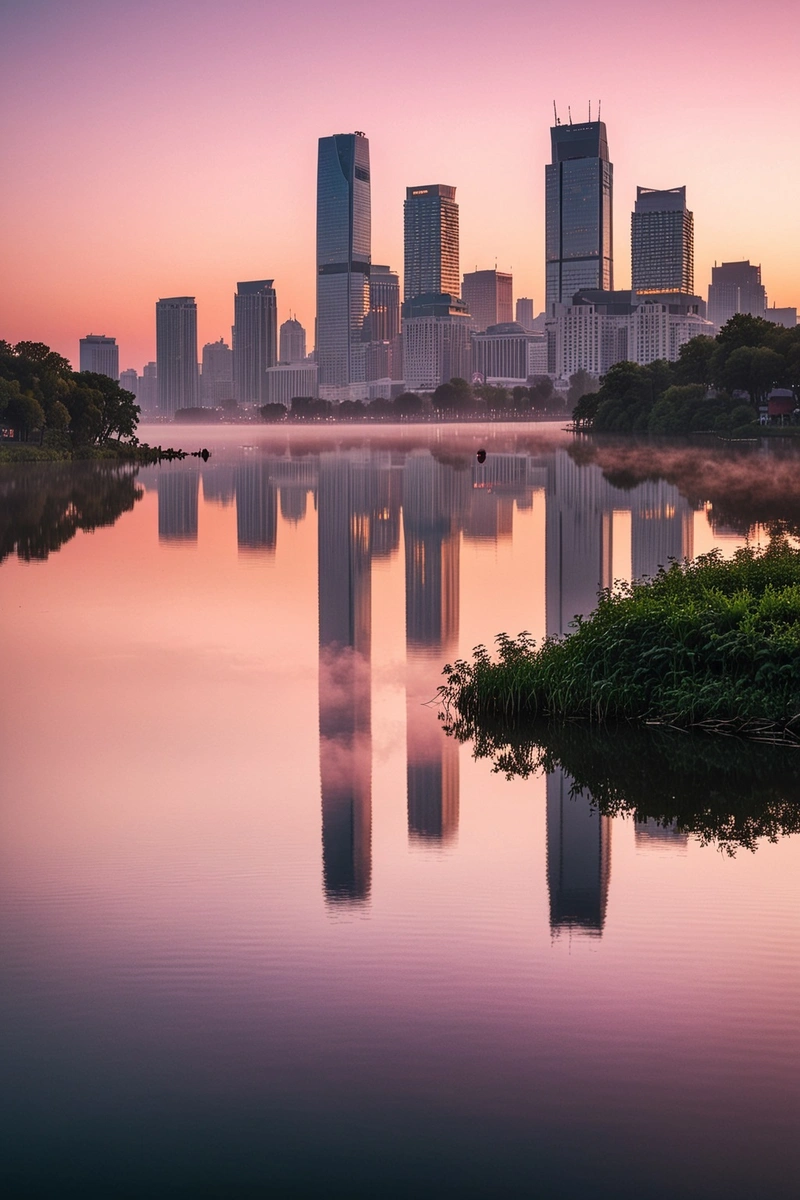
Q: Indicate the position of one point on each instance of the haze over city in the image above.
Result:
(171, 151)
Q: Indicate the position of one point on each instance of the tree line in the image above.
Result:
(40, 393)
(716, 385)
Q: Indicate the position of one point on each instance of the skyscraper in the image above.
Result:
(736, 287)
(148, 388)
(662, 242)
(129, 380)
(431, 242)
(524, 313)
(100, 354)
(216, 380)
(255, 339)
(578, 213)
(293, 342)
(489, 297)
(384, 304)
(343, 258)
(176, 353)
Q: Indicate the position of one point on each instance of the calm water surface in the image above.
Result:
(267, 931)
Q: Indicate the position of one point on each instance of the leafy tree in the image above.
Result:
(408, 404)
(752, 369)
(520, 399)
(455, 396)
(585, 411)
(58, 416)
(579, 384)
(541, 391)
(694, 361)
(273, 412)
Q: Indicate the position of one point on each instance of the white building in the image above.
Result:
(599, 329)
(436, 341)
(286, 382)
(100, 354)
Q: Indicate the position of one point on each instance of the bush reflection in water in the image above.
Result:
(723, 790)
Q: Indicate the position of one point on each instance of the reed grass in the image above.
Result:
(713, 643)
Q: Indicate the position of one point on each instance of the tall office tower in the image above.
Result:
(129, 380)
(430, 217)
(148, 388)
(255, 339)
(489, 297)
(436, 341)
(343, 258)
(176, 353)
(662, 242)
(100, 354)
(524, 313)
(384, 304)
(293, 342)
(578, 213)
(735, 287)
(216, 379)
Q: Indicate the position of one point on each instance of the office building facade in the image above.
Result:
(216, 379)
(384, 304)
(290, 380)
(100, 354)
(489, 297)
(292, 342)
(343, 259)
(578, 213)
(255, 339)
(523, 313)
(129, 380)
(662, 242)
(176, 353)
(501, 354)
(735, 287)
(148, 388)
(431, 249)
(436, 341)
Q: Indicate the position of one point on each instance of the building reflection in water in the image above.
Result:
(177, 504)
(256, 507)
(435, 500)
(345, 497)
(578, 858)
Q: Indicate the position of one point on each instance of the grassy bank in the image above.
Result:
(29, 452)
(711, 643)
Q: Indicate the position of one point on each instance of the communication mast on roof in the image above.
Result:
(555, 113)
(569, 113)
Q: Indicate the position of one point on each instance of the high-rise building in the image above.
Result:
(662, 242)
(290, 380)
(255, 339)
(176, 353)
(436, 341)
(343, 259)
(293, 342)
(100, 354)
(782, 316)
(129, 380)
(216, 380)
(524, 313)
(736, 287)
(502, 352)
(384, 304)
(148, 388)
(431, 242)
(578, 212)
(489, 297)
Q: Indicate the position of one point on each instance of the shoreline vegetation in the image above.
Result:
(708, 644)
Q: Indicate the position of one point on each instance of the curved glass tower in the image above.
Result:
(343, 257)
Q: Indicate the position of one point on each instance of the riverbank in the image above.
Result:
(709, 644)
(123, 452)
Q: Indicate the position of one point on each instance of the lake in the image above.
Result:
(268, 931)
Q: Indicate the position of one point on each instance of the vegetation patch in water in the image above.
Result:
(709, 643)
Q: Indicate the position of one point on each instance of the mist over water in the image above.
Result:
(268, 930)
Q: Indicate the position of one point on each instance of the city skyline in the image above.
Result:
(68, 226)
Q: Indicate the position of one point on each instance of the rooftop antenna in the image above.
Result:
(569, 113)
(590, 112)
(599, 102)
(555, 113)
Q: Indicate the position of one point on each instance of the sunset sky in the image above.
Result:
(154, 149)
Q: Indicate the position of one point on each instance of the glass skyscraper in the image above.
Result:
(343, 257)
(662, 242)
(578, 207)
(255, 339)
(431, 242)
(176, 353)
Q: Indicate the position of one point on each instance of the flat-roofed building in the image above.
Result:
(436, 341)
(100, 354)
(430, 221)
(489, 297)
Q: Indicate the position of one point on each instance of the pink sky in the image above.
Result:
(155, 149)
